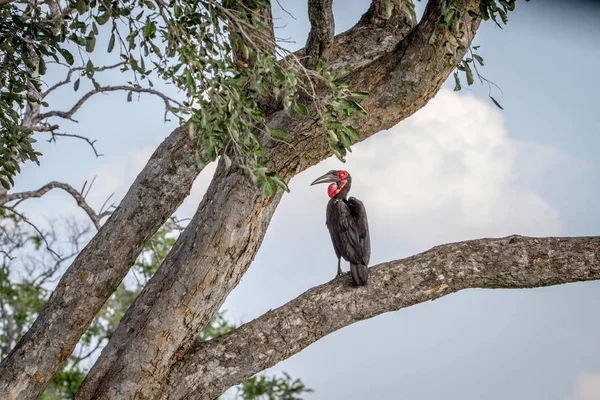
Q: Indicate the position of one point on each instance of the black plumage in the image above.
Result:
(346, 220)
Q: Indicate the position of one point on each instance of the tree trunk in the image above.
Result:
(211, 367)
(155, 352)
(213, 253)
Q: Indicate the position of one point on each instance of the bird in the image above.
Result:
(346, 220)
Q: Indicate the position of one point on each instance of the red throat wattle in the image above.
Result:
(335, 188)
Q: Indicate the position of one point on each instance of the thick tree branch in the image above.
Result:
(217, 247)
(79, 198)
(320, 37)
(95, 274)
(210, 368)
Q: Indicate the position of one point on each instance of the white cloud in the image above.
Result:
(116, 174)
(447, 173)
(587, 386)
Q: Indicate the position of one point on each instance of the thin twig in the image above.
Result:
(70, 74)
(89, 141)
(39, 232)
(69, 114)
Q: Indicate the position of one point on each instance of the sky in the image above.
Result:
(458, 169)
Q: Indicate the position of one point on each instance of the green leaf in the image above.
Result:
(111, 42)
(269, 187)
(352, 132)
(457, 86)
(192, 131)
(319, 67)
(5, 184)
(227, 161)
(129, 97)
(199, 160)
(360, 95)
(340, 154)
(42, 66)
(90, 44)
(76, 84)
(67, 56)
(89, 68)
(496, 103)
(332, 136)
(301, 109)
(278, 74)
(478, 58)
(82, 6)
(211, 152)
(103, 18)
(279, 133)
(281, 183)
(469, 73)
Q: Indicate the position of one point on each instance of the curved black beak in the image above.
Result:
(329, 177)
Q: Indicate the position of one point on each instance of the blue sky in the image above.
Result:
(458, 169)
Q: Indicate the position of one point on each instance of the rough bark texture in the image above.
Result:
(215, 250)
(320, 37)
(211, 367)
(97, 271)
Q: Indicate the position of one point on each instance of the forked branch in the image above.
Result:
(510, 262)
(135, 89)
(79, 198)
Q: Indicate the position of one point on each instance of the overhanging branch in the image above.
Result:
(511, 262)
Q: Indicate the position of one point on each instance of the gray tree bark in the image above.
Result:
(154, 351)
(211, 367)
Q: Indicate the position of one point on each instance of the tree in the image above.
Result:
(265, 116)
(22, 299)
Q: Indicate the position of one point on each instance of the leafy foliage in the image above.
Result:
(272, 388)
(22, 298)
(496, 10)
(24, 43)
(221, 54)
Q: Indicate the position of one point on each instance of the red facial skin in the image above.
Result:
(334, 189)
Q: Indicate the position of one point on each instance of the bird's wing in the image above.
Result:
(345, 232)
(360, 216)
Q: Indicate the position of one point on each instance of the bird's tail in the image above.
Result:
(360, 274)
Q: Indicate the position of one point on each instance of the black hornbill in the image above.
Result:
(348, 226)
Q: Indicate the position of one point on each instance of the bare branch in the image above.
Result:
(511, 262)
(69, 114)
(320, 38)
(34, 226)
(70, 74)
(90, 142)
(53, 185)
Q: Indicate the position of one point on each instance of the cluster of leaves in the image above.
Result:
(221, 54)
(451, 21)
(272, 388)
(24, 43)
(22, 298)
